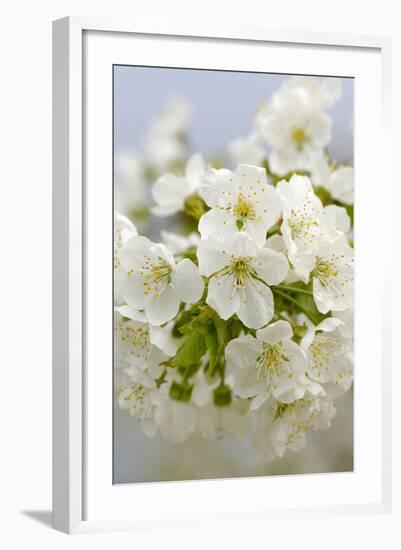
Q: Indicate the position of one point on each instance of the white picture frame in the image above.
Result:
(80, 484)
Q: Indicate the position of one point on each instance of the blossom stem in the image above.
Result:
(159, 381)
(295, 289)
(297, 303)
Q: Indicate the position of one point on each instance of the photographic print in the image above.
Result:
(233, 274)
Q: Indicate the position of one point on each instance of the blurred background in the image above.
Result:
(222, 106)
(206, 111)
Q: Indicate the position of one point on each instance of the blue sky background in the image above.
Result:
(223, 105)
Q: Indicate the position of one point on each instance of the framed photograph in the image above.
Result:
(220, 344)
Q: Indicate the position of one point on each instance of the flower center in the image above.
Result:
(136, 337)
(323, 351)
(244, 210)
(281, 408)
(302, 226)
(270, 362)
(241, 268)
(325, 269)
(157, 275)
(138, 402)
(334, 274)
(299, 138)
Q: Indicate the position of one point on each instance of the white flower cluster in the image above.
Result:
(245, 326)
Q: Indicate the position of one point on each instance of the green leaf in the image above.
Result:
(184, 319)
(190, 351)
(221, 330)
(198, 320)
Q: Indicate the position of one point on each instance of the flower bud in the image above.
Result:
(181, 391)
(222, 396)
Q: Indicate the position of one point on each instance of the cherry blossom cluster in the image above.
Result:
(242, 324)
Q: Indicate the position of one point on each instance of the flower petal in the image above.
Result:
(246, 175)
(275, 333)
(216, 222)
(342, 184)
(187, 282)
(271, 266)
(214, 181)
(256, 230)
(240, 245)
(162, 338)
(338, 217)
(163, 308)
(170, 191)
(194, 171)
(223, 296)
(210, 256)
(241, 356)
(328, 325)
(268, 205)
(132, 253)
(293, 193)
(133, 292)
(242, 352)
(257, 308)
(130, 313)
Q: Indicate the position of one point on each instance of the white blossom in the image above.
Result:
(322, 93)
(171, 190)
(281, 426)
(142, 345)
(304, 224)
(338, 180)
(295, 124)
(123, 231)
(135, 397)
(333, 275)
(269, 365)
(239, 277)
(155, 283)
(328, 360)
(131, 190)
(239, 201)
